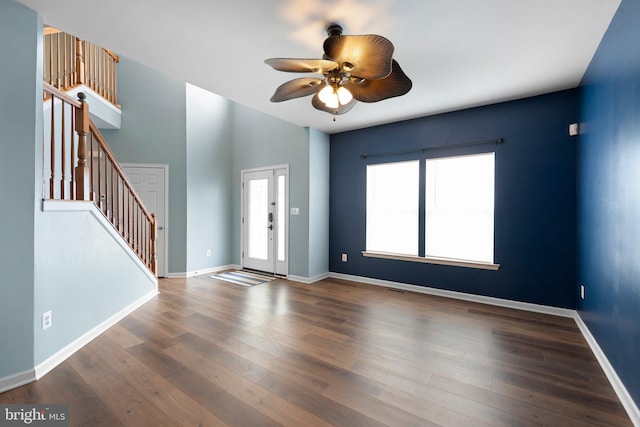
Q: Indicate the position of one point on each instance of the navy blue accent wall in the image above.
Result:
(609, 196)
(535, 197)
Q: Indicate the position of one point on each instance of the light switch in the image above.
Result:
(295, 211)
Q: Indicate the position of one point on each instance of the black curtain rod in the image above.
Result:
(425, 149)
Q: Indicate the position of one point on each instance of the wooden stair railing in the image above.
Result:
(70, 61)
(77, 164)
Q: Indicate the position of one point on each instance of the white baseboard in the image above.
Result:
(22, 378)
(17, 380)
(617, 384)
(62, 355)
(308, 280)
(203, 271)
(525, 306)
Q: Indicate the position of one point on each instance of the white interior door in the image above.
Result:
(264, 220)
(151, 185)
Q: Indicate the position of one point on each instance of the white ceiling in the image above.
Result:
(458, 53)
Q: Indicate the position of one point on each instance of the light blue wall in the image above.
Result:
(154, 131)
(207, 141)
(67, 277)
(82, 275)
(208, 179)
(318, 203)
(260, 140)
(20, 91)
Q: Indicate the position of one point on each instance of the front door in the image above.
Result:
(149, 182)
(264, 220)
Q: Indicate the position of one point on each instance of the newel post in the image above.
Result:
(80, 69)
(154, 238)
(82, 169)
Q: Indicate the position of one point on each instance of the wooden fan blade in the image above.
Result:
(367, 56)
(299, 65)
(296, 88)
(396, 84)
(319, 105)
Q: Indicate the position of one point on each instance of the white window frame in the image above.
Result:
(435, 259)
(398, 215)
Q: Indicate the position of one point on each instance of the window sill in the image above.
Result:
(432, 260)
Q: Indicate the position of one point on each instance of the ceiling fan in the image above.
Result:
(353, 68)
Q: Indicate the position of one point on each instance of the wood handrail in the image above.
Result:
(112, 54)
(50, 89)
(107, 152)
(77, 164)
(50, 30)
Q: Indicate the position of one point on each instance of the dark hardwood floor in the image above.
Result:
(209, 353)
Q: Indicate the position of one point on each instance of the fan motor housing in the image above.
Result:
(334, 30)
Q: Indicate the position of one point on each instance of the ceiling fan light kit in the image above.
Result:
(353, 68)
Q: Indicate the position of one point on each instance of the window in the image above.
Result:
(457, 215)
(392, 207)
(459, 207)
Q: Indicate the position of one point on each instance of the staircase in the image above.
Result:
(77, 163)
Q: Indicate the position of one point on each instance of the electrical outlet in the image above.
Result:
(344, 257)
(47, 321)
(208, 252)
(574, 129)
(582, 291)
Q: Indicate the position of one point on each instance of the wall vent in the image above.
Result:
(400, 291)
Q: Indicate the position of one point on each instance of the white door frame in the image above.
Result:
(166, 208)
(283, 267)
